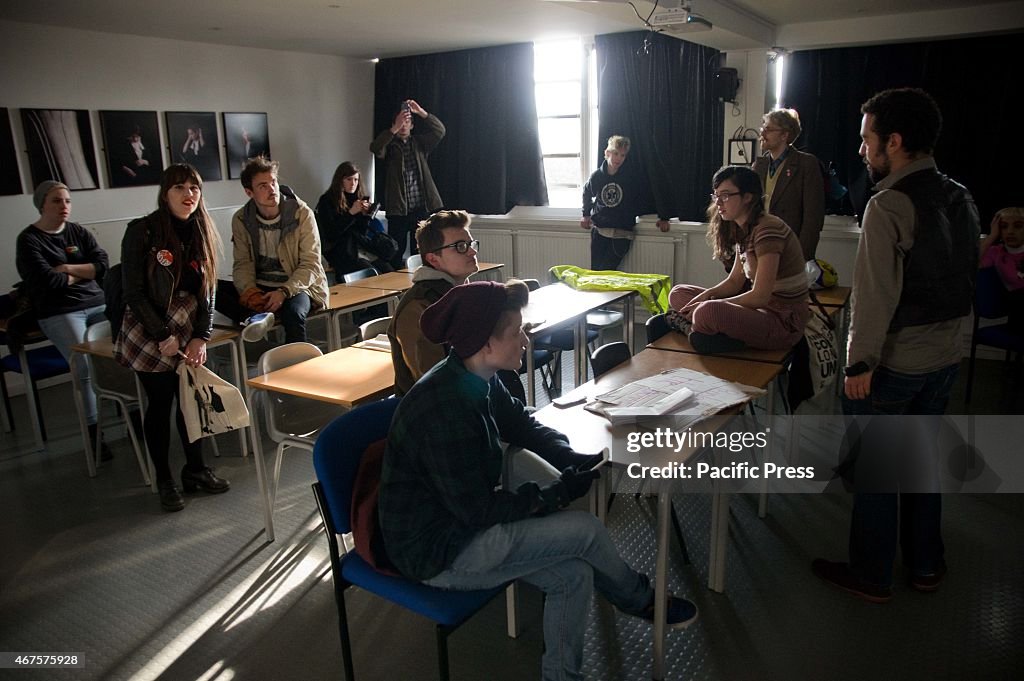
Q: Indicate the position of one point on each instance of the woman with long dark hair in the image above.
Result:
(727, 317)
(348, 240)
(169, 270)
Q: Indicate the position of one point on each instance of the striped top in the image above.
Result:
(772, 235)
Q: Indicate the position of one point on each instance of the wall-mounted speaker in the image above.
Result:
(727, 83)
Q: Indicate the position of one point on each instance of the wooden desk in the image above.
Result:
(557, 305)
(345, 299)
(589, 432)
(675, 341)
(392, 281)
(837, 296)
(103, 348)
(346, 377)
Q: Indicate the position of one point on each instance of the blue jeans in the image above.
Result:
(65, 330)
(874, 529)
(565, 555)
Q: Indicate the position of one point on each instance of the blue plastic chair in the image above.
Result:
(43, 362)
(336, 459)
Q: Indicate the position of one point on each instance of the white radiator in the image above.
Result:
(538, 251)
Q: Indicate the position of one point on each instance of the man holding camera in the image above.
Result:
(409, 191)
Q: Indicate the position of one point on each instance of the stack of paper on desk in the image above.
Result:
(683, 393)
(379, 342)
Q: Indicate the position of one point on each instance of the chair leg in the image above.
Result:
(442, 653)
(679, 533)
(343, 633)
(277, 474)
(8, 414)
(970, 373)
(140, 456)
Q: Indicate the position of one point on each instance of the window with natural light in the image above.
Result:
(565, 116)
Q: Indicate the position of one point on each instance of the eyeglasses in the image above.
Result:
(723, 197)
(765, 128)
(461, 247)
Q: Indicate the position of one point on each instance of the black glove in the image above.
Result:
(576, 482)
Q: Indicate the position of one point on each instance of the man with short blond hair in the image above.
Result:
(793, 186)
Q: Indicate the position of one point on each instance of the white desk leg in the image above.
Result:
(261, 473)
(719, 538)
(531, 383)
(627, 322)
(239, 368)
(141, 394)
(30, 395)
(661, 581)
(762, 502)
(580, 342)
(90, 460)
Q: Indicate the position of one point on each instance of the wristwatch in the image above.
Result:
(856, 369)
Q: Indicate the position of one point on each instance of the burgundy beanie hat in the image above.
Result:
(465, 316)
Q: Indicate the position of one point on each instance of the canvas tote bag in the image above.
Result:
(209, 404)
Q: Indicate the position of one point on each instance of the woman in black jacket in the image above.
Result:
(343, 216)
(169, 263)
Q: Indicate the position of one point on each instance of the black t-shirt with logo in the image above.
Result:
(39, 252)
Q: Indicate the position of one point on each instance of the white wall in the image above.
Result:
(320, 111)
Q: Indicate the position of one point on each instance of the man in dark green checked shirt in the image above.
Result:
(446, 521)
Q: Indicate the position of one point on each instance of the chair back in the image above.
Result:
(414, 261)
(608, 357)
(657, 326)
(289, 415)
(374, 327)
(989, 295)
(107, 375)
(360, 274)
(338, 451)
(531, 284)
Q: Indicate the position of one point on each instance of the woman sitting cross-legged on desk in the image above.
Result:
(771, 315)
(169, 261)
(444, 520)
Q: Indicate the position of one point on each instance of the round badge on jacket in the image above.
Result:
(165, 257)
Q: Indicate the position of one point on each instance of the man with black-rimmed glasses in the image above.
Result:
(449, 258)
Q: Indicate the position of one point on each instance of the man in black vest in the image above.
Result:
(913, 284)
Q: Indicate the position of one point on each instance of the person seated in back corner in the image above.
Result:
(349, 241)
(773, 313)
(444, 521)
(611, 203)
(449, 258)
(277, 266)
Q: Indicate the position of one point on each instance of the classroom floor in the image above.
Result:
(94, 567)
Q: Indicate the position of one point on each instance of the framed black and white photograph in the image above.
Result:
(192, 138)
(246, 136)
(131, 142)
(60, 147)
(10, 179)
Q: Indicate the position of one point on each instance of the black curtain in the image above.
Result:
(490, 159)
(974, 80)
(659, 92)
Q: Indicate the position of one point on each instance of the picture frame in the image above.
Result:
(60, 147)
(741, 152)
(193, 138)
(10, 177)
(246, 136)
(131, 147)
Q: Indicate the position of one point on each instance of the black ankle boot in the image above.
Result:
(170, 496)
(204, 480)
(105, 452)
